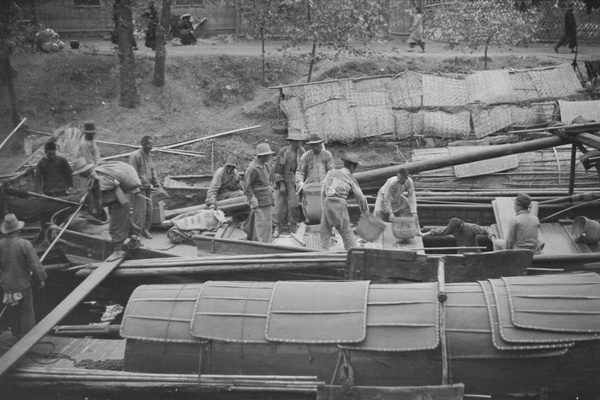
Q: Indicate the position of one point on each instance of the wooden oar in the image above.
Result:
(43, 257)
(21, 348)
(13, 132)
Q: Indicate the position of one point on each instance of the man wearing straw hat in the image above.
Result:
(258, 190)
(110, 185)
(226, 183)
(313, 165)
(142, 161)
(18, 265)
(88, 148)
(286, 197)
(523, 229)
(337, 186)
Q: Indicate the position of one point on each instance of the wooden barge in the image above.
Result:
(519, 336)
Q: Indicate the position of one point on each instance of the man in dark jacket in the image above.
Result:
(18, 264)
(54, 174)
(570, 35)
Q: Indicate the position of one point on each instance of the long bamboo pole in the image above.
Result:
(12, 132)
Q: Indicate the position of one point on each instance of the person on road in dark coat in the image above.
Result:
(570, 36)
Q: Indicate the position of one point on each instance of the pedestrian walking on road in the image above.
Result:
(416, 36)
(570, 36)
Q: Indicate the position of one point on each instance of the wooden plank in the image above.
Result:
(505, 212)
(67, 305)
(558, 242)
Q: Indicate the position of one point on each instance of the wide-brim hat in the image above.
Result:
(89, 127)
(80, 165)
(11, 224)
(263, 149)
(314, 138)
(231, 161)
(523, 199)
(185, 16)
(295, 134)
(351, 158)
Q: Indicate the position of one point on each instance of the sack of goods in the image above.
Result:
(124, 173)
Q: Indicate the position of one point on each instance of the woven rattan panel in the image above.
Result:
(440, 92)
(447, 125)
(374, 120)
(401, 318)
(511, 335)
(490, 87)
(523, 86)
(406, 90)
(161, 313)
(489, 120)
(333, 120)
(569, 110)
(232, 311)
(318, 312)
(567, 303)
(408, 123)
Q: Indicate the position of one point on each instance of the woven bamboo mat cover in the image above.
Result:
(333, 120)
(406, 90)
(447, 125)
(161, 313)
(567, 303)
(569, 110)
(232, 311)
(512, 336)
(324, 91)
(401, 317)
(468, 328)
(318, 312)
(482, 167)
(294, 91)
(373, 120)
(489, 120)
(408, 123)
(292, 107)
(531, 115)
(490, 87)
(556, 82)
(523, 86)
(440, 92)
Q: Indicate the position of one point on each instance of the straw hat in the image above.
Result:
(263, 149)
(80, 165)
(185, 16)
(523, 199)
(11, 224)
(89, 127)
(351, 158)
(295, 134)
(231, 161)
(314, 138)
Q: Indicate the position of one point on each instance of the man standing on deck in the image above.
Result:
(258, 190)
(524, 228)
(226, 184)
(141, 160)
(110, 185)
(286, 196)
(313, 165)
(19, 266)
(397, 198)
(54, 174)
(88, 148)
(337, 186)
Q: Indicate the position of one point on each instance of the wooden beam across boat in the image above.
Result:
(47, 324)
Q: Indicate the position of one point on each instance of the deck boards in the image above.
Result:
(75, 348)
(388, 241)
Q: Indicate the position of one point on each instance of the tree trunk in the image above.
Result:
(128, 97)
(7, 70)
(161, 51)
(313, 55)
(262, 41)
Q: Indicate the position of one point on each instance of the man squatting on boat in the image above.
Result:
(226, 184)
(143, 162)
(19, 266)
(397, 198)
(111, 184)
(523, 229)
